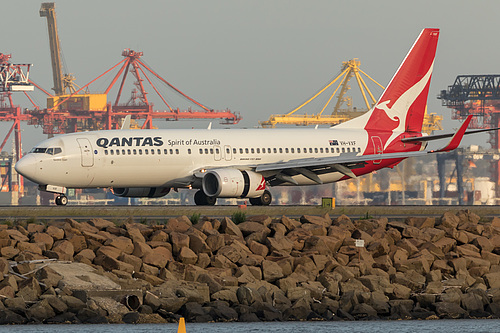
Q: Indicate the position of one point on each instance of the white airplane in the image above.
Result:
(244, 163)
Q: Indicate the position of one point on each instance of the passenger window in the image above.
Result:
(227, 150)
(286, 150)
(152, 151)
(112, 152)
(292, 150)
(332, 150)
(338, 150)
(201, 151)
(321, 150)
(172, 151)
(189, 151)
(275, 150)
(234, 150)
(118, 152)
(343, 150)
(241, 150)
(298, 150)
(146, 151)
(252, 150)
(310, 150)
(159, 151)
(348, 149)
(140, 151)
(211, 151)
(263, 150)
(105, 152)
(177, 151)
(269, 150)
(128, 151)
(258, 150)
(246, 150)
(315, 150)
(217, 151)
(359, 149)
(123, 151)
(281, 150)
(135, 152)
(166, 151)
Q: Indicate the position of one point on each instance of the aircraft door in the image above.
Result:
(227, 153)
(377, 147)
(86, 150)
(217, 153)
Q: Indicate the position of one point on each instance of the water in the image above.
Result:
(423, 326)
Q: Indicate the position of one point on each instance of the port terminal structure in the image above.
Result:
(71, 108)
(478, 95)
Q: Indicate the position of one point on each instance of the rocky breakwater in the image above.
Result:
(262, 269)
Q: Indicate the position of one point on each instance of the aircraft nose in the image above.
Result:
(27, 166)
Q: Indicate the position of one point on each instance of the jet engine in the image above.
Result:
(233, 183)
(141, 192)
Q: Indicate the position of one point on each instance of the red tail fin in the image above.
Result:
(402, 105)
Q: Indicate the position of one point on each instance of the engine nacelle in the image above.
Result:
(233, 183)
(141, 192)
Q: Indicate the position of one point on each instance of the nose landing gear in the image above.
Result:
(61, 200)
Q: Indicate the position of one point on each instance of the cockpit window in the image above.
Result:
(38, 150)
(50, 151)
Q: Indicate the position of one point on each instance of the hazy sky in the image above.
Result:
(254, 57)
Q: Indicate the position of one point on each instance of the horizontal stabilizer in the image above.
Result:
(444, 136)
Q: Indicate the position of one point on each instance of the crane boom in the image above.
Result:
(48, 10)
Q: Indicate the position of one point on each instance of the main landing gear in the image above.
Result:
(264, 200)
(201, 199)
(61, 200)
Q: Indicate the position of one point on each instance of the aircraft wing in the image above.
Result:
(311, 167)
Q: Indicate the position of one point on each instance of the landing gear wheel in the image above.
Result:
(201, 199)
(61, 200)
(264, 200)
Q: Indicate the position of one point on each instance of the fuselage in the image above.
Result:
(171, 158)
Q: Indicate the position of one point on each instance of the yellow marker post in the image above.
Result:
(182, 326)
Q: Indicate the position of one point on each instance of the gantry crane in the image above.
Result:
(71, 108)
(349, 69)
(13, 78)
(478, 95)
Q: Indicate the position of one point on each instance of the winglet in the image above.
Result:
(457, 138)
(126, 122)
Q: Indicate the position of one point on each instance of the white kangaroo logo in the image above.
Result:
(400, 108)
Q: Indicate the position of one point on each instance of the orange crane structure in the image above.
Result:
(13, 78)
(71, 109)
